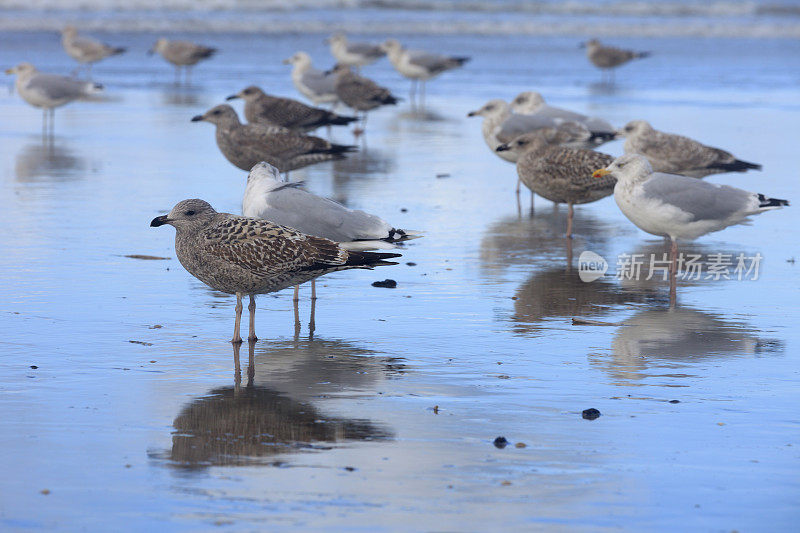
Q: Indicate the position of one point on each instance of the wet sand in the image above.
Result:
(125, 422)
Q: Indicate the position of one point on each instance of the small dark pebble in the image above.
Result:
(387, 283)
(500, 442)
(443, 175)
(411, 264)
(34, 367)
(350, 468)
(141, 342)
(403, 210)
(590, 414)
(674, 401)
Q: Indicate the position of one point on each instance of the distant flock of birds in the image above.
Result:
(288, 236)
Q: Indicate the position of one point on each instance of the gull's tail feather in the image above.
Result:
(340, 120)
(600, 137)
(119, 50)
(370, 259)
(641, 55)
(765, 202)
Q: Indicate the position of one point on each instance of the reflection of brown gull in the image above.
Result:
(663, 338)
(243, 425)
(226, 427)
(561, 293)
(519, 241)
(304, 368)
(47, 160)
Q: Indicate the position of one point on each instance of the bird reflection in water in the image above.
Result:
(562, 293)
(250, 424)
(665, 343)
(48, 160)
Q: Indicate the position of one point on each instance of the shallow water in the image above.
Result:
(135, 415)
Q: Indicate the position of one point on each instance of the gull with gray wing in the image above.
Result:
(418, 65)
(532, 103)
(48, 91)
(248, 256)
(289, 204)
(244, 145)
(679, 207)
(314, 84)
(353, 54)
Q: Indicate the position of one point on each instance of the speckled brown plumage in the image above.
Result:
(244, 145)
(676, 154)
(264, 108)
(248, 256)
(359, 92)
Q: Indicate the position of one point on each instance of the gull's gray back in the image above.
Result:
(702, 200)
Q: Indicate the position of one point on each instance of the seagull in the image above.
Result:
(182, 54)
(286, 112)
(360, 93)
(679, 207)
(353, 54)
(249, 256)
(244, 145)
(86, 50)
(49, 91)
(559, 174)
(676, 154)
(607, 58)
(418, 65)
(314, 84)
(532, 103)
(500, 126)
(289, 204)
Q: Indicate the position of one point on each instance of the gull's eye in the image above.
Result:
(217, 112)
(189, 213)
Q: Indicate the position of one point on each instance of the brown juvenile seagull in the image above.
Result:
(287, 112)
(607, 58)
(244, 145)
(559, 174)
(249, 256)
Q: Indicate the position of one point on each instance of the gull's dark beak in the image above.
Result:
(502, 148)
(232, 97)
(472, 113)
(582, 45)
(197, 118)
(151, 51)
(159, 221)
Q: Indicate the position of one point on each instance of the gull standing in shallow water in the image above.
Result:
(182, 54)
(607, 58)
(249, 256)
(289, 204)
(559, 174)
(286, 112)
(314, 84)
(244, 145)
(679, 207)
(354, 55)
(86, 50)
(677, 154)
(500, 126)
(49, 91)
(418, 65)
(532, 103)
(360, 93)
